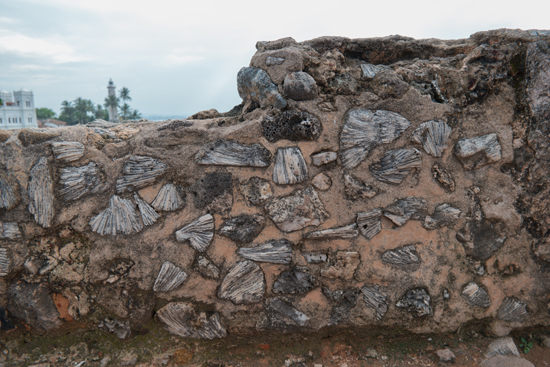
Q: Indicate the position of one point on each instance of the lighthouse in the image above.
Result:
(113, 113)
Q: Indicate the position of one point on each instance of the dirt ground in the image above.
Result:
(84, 345)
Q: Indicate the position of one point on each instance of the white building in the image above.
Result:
(17, 110)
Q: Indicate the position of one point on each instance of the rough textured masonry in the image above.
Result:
(384, 182)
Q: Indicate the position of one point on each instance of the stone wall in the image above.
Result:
(385, 182)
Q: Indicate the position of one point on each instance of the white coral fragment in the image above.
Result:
(168, 199)
(139, 171)
(244, 284)
(68, 151)
(181, 319)
(199, 233)
(9, 231)
(170, 277)
(9, 193)
(349, 231)
(290, 166)
(79, 181)
(434, 137)
(148, 214)
(120, 217)
(365, 129)
(5, 262)
(370, 224)
(230, 153)
(41, 193)
(395, 165)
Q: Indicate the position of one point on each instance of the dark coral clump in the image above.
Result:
(291, 125)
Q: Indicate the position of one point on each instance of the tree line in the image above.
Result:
(82, 111)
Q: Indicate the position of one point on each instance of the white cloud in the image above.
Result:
(54, 50)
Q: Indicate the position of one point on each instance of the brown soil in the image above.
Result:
(152, 346)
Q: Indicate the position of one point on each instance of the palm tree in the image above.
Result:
(67, 112)
(82, 107)
(100, 113)
(135, 115)
(124, 94)
(111, 101)
(125, 110)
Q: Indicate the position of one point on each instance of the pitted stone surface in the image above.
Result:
(411, 191)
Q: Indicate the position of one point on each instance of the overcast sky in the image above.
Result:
(179, 57)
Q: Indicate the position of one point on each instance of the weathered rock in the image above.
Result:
(512, 309)
(445, 355)
(138, 172)
(275, 251)
(290, 167)
(502, 346)
(182, 319)
(356, 189)
(321, 182)
(41, 193)
(444, 215)
(243, 228)
(321, 158)
(434, 137)
(506, 361)
(68, 151)
(404, 209)
(279, 58)
(300, 86)
(280, 315)
(476, 295)
(477, 152)
(405, 255)
(169, 278)
(295, 280)
(120, 328)
(342, 265)
(256, 191)
(343, 301)
(374, 298)
(5, 262)
(207, 268)
(120, 217)
(364, 130)
(168, 199)
(9, 231)
(443, 178)
(244, 284)
(389, 84)
(10, 194)
(206, 114)
(370, 224)
(80, 181)
(148, 214)
(199, 233)
(211, 188)
(349, 231)
(417, 302)
(32, 303)
(395, 165)
(481, 239)
(291, 125)
(370, 70)
(255, 85)
(298, 210)
(230, 153)
(315, 258)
